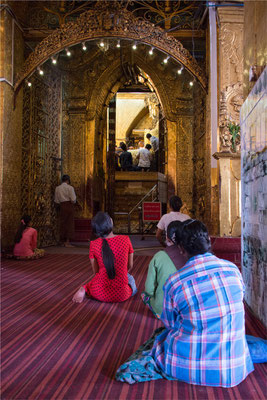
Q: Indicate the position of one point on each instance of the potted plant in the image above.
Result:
(234, 130)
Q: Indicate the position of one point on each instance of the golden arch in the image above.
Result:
(113, 22)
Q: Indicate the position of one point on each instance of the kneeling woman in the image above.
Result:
(203, 342)
(26, 241)
(164, 263)
(111, 256)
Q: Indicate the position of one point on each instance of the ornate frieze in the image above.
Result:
(109, 22)
(231, 76)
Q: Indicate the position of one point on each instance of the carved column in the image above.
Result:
(231, 99)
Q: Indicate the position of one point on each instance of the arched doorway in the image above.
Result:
(85, 114)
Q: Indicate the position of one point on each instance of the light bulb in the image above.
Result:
(54, 61)
(191, 83)
(102, 44)
(151, 51)
(68, 52)
(41, 72)
(29, 84)
(166, 60)
(84, 46)
(134, 46)
(118, 44)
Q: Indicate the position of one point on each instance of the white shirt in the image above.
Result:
(65, 192)
(154, 143)
(145, 158)
(166, 219)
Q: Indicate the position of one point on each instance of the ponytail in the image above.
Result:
(102, 226)
(108, 259)
(24, 223)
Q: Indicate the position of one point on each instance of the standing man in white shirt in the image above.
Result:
(144, 157)
(66, 197)
(174, 215)
(155, 146)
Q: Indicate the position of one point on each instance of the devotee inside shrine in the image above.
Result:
(126, 159)
(155, 146)
(144, 157)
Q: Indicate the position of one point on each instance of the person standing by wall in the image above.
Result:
(144, 157)
(126, 159)
(66, 197)
(155, 147)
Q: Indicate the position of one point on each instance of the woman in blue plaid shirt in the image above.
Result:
(203, 341)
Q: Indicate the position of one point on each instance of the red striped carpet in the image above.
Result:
(54, 349)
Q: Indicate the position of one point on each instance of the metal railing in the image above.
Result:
(150, 193)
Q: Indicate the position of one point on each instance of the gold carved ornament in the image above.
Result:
(110, 23)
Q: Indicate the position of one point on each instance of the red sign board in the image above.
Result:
(151, 211)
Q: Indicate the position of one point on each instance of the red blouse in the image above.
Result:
(101, 287)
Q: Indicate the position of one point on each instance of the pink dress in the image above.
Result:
(27, 244)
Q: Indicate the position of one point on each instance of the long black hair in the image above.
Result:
(102, 226)
(195, 237)
(24, 223)
(174, 232)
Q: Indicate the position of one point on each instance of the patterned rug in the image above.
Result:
(54, 349)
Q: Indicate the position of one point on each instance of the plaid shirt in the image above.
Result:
(204, 342)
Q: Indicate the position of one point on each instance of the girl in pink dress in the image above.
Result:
(26, 241)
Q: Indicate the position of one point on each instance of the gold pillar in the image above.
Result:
(172, 157)
(229, 196)
(89, 166)
(11, 58)
(231, 99)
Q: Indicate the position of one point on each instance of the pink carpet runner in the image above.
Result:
(54, 349)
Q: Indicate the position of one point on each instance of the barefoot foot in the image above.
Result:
(79, 296)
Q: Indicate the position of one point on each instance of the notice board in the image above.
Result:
(151, 211)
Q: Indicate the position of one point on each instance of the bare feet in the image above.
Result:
(67, 244)
(79, 295)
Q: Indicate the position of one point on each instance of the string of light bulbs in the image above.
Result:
(103, 44)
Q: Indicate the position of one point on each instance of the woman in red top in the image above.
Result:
(111, 256)
(26, 241)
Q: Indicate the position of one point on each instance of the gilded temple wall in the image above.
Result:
(11, 130)
(41, 152)
(201, 160)
(255, 40)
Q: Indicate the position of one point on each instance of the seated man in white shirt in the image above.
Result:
(66, 197)
(174, 215)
